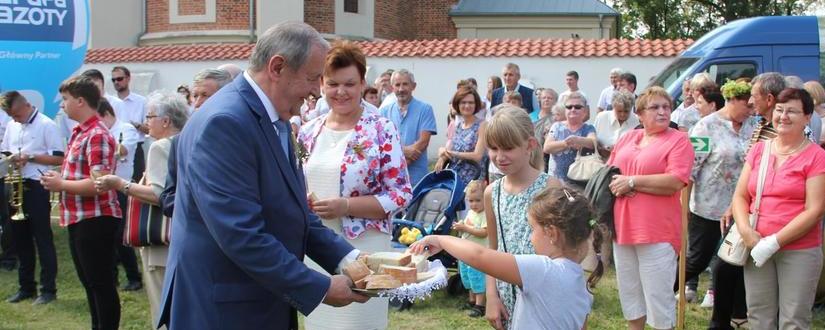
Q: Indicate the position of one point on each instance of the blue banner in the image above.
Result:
(42, 42)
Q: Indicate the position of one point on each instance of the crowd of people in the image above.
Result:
(282, 173)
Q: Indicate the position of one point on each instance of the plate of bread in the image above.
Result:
(389, 274)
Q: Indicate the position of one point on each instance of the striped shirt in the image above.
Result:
(765, 131)
(91, 148)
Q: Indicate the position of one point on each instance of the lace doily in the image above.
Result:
(422, 290)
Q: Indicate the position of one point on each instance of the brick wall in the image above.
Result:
(230, 15)
(192, 7)
(433, 21)
(320, 14)
(407, 20)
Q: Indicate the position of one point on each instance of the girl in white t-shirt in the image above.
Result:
(553, 293)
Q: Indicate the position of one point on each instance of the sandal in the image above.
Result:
(738, 323)
(476, 311)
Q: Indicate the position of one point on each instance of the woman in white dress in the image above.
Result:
(355, 168)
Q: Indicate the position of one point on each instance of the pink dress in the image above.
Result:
(783, 196)
(646, 218)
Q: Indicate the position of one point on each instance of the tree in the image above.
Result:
(677, 19)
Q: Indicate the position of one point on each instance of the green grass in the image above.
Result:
(439, 312)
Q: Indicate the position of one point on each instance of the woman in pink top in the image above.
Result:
(786, 243)
(655, 163)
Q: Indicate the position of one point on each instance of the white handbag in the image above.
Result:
(584, 167)
(733, 249)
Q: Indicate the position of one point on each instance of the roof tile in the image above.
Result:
(414, 48)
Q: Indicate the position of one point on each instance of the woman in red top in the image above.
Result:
(655, 163)
(786, 242)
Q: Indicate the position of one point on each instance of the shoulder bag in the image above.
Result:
(584, 167)
(733, 249)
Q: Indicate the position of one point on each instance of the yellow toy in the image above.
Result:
(409, 236)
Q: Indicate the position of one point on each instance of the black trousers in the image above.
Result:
(703, 242)
(728, 295)
(35, 231)
(140, 163)
(125, 255)
(8, 255)
(90, 242)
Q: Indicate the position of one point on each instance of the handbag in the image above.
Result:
(733, 249)
(584, 167)
(145, 224)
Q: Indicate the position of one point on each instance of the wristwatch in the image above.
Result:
(631, 184)
(30, 158)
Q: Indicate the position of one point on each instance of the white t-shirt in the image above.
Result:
(608, 128)
(553, 296)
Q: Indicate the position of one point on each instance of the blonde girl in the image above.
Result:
(515, 151)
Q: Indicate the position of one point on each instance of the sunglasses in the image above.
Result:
(574, 106)
(118, 79)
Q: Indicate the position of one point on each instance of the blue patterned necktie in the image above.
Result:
(283, 135)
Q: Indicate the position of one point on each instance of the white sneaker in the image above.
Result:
(690, 295)
(707, 302)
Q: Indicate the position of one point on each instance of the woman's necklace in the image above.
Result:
(776, 148)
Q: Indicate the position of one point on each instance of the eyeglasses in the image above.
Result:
(788, 112)
(150, 116)
(574, 106)
(118, 79)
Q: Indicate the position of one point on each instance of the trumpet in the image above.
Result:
(15, 180)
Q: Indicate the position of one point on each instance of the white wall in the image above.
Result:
(115, 23)
(269, 13)
(436, 77)
(361, 24)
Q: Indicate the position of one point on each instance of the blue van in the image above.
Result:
(791, 45)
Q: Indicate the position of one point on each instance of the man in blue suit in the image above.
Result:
(511, 75)
(241, 226)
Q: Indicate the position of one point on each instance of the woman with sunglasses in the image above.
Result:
(566, 137)
(655, 164)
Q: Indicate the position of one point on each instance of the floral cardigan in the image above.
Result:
(373, 164)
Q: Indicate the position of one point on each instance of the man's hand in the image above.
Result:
(340, 292)
(411, 153)
(20, 160)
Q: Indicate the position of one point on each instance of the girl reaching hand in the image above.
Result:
(553, 292)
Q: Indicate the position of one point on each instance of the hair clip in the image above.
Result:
(569, 196)
(592, 223)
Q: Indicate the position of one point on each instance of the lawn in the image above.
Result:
(439, 312)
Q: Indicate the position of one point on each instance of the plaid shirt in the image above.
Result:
(91, 147)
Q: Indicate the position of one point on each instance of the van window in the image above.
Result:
(721, 72)
(674, 72)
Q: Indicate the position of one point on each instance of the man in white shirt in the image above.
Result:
(34, 145)
(133, 112)
(687, 102)
(126, 136)
(611, 125)
(606, 97)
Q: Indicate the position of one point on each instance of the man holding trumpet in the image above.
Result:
(33, 144)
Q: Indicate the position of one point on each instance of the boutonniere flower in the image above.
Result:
(301, 154)
(358, 148)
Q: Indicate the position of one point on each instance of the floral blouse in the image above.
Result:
(716, 173)
(373, 164)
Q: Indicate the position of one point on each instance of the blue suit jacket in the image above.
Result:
(526, 97)
(241, 225)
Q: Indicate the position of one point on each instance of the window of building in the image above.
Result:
(351, 6)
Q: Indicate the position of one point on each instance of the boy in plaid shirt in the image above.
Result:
(91, 218)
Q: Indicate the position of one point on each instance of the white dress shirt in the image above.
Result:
(126, 135)
(133, 110)
(608, 128)
(38, 136)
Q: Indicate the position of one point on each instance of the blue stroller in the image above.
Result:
(437, 198)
